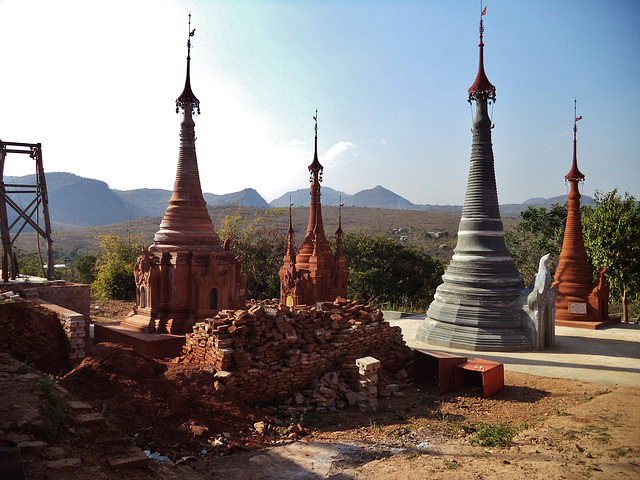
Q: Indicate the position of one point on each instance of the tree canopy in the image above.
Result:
(114, 266)
(261, 248)
(612, 233)
(383, 271)
(539, 232)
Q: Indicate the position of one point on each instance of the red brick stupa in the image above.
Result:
(186, 275)
(580, 302)
(315, 274)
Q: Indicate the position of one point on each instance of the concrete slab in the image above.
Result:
(608, 356)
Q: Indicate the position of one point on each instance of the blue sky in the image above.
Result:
(96, 83)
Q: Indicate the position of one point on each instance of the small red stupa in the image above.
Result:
(580, 302)
(315, 274)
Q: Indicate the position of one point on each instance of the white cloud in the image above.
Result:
(296, 143)
(338, 154)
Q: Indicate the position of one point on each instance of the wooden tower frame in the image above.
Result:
(30, 215)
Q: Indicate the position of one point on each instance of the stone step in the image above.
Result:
(88, 419)
(77, 406)
(109, 436)
(63, 463)
(128, 460)
(29, 447)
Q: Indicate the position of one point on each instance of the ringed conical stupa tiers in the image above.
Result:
(315, 274)
(580, 302)
(472, 307)
(186, 275)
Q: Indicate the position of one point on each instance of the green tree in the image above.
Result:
(261, 247)
(539, 232)
(29, 264)
(611, 233)
(382, 271)
(86, 269)
(115, 264)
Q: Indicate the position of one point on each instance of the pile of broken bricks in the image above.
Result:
(337, 390)
(272, 351)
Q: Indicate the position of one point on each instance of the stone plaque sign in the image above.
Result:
(578, 308)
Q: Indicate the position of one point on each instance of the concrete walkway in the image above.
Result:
(609, 356)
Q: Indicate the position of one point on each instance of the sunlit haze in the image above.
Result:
(96, 83)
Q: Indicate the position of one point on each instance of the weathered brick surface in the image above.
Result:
(71, 302)
(74, 327)
(272, 351)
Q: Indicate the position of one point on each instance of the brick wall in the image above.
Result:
(71, 296)
(74, 328)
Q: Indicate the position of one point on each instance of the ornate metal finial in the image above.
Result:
(290, 221)
(187, 97)
(483, 12)
(577, 118)
(340, 205)
(482, 85)
(191, 34)
(315, 128)
(290, 247)
(315, 169)
(575, 173)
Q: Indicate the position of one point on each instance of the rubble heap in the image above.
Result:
(271, 350)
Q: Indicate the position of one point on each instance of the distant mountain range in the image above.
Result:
(76, 201)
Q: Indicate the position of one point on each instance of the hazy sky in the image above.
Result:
(96, 83)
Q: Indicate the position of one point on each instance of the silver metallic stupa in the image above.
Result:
(472, 309)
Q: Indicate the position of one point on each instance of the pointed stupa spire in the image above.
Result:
(482, 85)
(574, 173)
(315, 242)
(187, 222)
(339, 250)
(187, 97)
(315, 168)
(290, 241)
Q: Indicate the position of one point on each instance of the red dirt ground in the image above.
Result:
(564, 429)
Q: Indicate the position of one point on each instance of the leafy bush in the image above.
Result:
(85, 269)
(114, 266)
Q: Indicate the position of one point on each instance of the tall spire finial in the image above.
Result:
(290, 246)
(482, 85)
(340, 205)
(574, 173)
(316, 168)
(339, 249)
(187, 97)
(315, 128)
(191, 34)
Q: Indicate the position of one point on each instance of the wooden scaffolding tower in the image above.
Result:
(34, 215)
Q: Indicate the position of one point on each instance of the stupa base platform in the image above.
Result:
(591, 325)
(155, 345)
(175, 323)
(474, 339)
